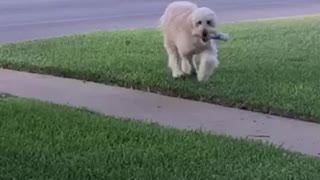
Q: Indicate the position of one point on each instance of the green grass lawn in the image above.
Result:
(45, 141)
(271, 66)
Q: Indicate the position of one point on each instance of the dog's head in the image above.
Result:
(204, 22)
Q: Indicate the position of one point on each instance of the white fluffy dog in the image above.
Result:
(186, 29)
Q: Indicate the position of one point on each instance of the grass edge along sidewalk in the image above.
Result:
(42, 140)
(268, 66)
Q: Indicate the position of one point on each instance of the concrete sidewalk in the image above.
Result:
(179, 113)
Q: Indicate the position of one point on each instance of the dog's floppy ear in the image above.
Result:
(214, 18)
(190, 20)
(192, 23)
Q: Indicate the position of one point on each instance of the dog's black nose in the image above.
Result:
(204, 33)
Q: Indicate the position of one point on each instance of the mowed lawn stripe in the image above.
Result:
(45, 141)
(267, 66)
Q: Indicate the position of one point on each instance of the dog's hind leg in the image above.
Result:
(173, 60)
(208, 62)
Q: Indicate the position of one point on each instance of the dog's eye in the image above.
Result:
(199, 23)
(209, 22)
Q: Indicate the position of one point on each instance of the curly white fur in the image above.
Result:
(185, 28)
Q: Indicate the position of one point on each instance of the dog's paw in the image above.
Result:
(202, 78)
(177, 74)
(186, 67)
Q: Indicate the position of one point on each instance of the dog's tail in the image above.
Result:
(176, 6)
(162, 20)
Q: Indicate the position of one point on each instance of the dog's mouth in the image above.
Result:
(205, 39)
(205, 36)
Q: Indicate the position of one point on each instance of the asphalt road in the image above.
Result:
(33, 19)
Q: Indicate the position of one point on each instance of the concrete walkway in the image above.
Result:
(179, 113)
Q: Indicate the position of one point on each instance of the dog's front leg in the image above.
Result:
(208, 62)
(186, 64)
(194, 65)
(173, 61)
